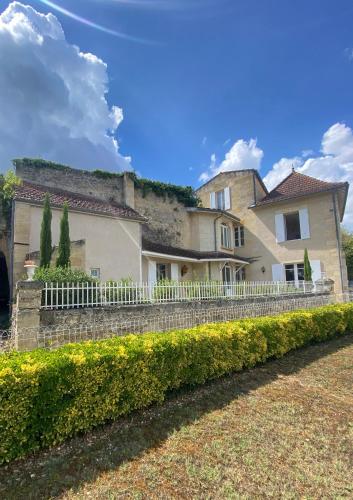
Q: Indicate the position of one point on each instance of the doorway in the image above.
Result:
(4, 292)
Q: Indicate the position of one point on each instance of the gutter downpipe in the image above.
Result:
(338, 237)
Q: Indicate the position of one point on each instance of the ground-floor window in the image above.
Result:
(163, 271)
(95, 273)
(294, 272)
(241, 274)
(226, 274)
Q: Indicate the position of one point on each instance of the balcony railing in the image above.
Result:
(78, 295)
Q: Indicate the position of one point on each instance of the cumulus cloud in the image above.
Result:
(334, 164)
(53, 96)
(242, 155)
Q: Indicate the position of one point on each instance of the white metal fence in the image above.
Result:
(77, 295)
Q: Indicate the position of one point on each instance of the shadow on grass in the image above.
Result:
(49, 474)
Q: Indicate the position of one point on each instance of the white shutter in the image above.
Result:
(152, 272)
(278, 272)
(174, 271)
(304, 224)
(280, 230)
(213, 200)
(227, 198)
(315, 270)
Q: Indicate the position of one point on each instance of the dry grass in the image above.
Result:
(284, 429)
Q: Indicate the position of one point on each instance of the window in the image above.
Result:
(239, 236)
(225, 236)
(220, 200)
(294, 272)
(241, 274)
(226, 274)
(163, 272)
(95, 273)
(292, 225)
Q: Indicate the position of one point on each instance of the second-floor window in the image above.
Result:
(220, 200)
(225, 236)
(292, 226)
(239, 236)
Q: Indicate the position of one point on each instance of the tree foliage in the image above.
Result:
(8, 183)
(45, 234)
(347, 244)
(307, 267)
(63, 259)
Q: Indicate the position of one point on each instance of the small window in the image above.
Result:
(95, 273)
(225, 236)
(220, 200)
(163, 272)
(239, 236)
(292, 225)
(300, 271)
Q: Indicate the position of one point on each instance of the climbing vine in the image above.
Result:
(8, 183)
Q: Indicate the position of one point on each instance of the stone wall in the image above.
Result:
(73, 180)
(168, 220)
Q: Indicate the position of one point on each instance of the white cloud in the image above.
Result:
(52, 96)
(349, 53)
(335, 164)
(242, 155)
(204, 141)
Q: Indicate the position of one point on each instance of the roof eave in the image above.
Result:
(81, 210)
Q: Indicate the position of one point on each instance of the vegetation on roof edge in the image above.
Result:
(184, 194)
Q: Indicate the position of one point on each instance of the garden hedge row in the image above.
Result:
(48, 396)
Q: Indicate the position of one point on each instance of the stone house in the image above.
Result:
(123, 227)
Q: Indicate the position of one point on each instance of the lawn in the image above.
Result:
(284, 429)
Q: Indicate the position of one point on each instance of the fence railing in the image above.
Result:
(77, 295)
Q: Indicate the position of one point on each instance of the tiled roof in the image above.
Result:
(150, 246)
(33, 193)
(296, 185)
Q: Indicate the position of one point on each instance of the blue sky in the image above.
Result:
(217, 71)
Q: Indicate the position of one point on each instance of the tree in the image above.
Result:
(45, 234)
(63, 259)
(347, 245)
(307, 267)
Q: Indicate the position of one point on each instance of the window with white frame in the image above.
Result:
(163, 271)
(225, 236)
(226, 273)
(241, 274)
(292, 225)
(221, 199)
(239, 236)
(95, 272)
(294, 272)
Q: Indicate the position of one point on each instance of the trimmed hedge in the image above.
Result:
(48, 396)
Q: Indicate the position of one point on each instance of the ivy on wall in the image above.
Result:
(8, 182)
(184, 194)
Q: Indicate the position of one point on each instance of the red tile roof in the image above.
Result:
(296, 185)
(33, 193)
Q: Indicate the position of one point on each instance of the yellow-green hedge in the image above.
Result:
(48, 396)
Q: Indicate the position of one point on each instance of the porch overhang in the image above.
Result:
(167, 256)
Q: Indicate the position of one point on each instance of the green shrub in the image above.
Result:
(123, 292)
(48, 396)
(63, 277)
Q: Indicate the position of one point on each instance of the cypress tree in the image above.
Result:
(63, 259)
(45, 234)
(307, 267)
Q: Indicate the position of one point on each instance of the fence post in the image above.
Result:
(26, 314)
